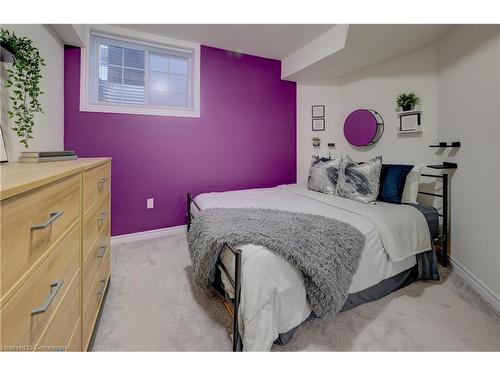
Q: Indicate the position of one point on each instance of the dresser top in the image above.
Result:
(16, 178)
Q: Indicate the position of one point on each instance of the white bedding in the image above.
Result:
(273, 297)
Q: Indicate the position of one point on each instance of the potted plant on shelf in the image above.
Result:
(24, 81)
(407, 101)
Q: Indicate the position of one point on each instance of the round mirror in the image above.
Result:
(363, 127)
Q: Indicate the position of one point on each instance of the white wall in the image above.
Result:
(469, 111)
(373, 88)
(48, 131)
(458, 80)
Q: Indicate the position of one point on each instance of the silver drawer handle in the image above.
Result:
(54, 288)
(102, 180)
(103, 251)
(53, 217)
(103, 216)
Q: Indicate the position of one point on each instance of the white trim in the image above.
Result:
(477, 285)
(146, 38)
(146, 235)
(109, 108)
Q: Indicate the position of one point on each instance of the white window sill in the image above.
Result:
(139, 110)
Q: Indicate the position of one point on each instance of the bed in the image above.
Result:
(267, 292)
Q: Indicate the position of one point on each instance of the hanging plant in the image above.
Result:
(24, 78)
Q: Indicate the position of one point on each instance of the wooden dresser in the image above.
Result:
(54, 252)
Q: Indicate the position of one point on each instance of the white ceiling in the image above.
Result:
(368, 45)
(272, 41)
(308, 53)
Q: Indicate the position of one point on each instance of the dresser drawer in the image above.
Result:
(92, 304)
(93, 262)
(31, 223)
(96, 184)
(93, 222)
(25, 316)
(60, 329)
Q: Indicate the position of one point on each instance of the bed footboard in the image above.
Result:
(232, 304)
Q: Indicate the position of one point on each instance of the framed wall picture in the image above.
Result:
(318, 111)
(409, 123)
(318, 124)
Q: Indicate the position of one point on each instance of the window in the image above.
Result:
(132, 76)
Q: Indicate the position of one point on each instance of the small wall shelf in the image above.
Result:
(417, 109)
(445, 165)
(444, 144)
(409, 121)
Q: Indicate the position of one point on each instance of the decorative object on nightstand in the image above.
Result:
(363, 127)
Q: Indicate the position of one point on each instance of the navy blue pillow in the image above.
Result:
(392, 182)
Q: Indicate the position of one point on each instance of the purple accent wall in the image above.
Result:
(244, 138)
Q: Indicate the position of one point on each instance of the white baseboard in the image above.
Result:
(155, 233)
(477, 285)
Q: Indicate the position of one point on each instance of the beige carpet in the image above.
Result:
(152, 305)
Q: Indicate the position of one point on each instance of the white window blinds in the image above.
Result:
(135, 74)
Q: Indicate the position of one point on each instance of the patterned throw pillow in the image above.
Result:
(324, 174)
(360, 182)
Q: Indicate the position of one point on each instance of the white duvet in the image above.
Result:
(273, 297)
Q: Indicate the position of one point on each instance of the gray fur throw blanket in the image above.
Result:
(325, 250)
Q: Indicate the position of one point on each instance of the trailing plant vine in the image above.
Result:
(24, 79)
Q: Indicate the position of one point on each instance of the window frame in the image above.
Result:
(141, 38)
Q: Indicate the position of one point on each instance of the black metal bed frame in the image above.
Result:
(234, 303)
(230, 303)
(443, 239)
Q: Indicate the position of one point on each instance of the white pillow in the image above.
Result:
(410, 191)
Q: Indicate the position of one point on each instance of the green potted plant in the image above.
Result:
(407, 101)
(24, 81)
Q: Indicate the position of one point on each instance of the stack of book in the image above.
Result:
(38, 157)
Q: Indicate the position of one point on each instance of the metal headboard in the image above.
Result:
(445, 232)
